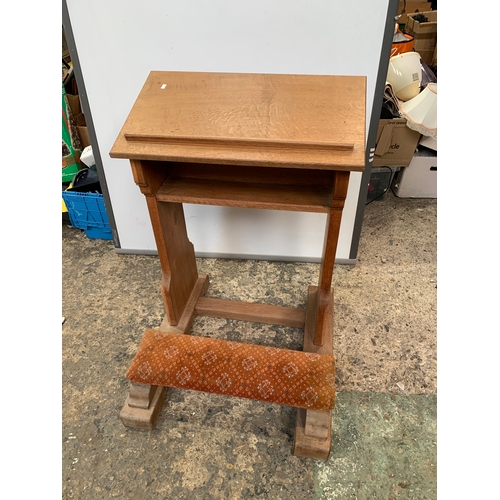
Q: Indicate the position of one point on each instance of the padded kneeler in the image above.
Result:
(291, 378)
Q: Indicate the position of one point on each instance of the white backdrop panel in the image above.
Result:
(120, 41)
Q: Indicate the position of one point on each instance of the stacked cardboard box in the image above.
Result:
(425, 35)
(411, 8)
(397, 144)
(81, 125)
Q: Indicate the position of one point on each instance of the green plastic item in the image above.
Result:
(70, 142)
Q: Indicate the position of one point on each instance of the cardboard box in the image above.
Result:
(425, 35)
(79, 117)
(419, 179)
(411, 8)
(396, 143)
(74, 104)
(83, 132)
(76, 108)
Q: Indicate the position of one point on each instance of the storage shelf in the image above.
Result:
(297, 198)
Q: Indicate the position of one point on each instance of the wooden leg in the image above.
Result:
(142, 406)
(177, 258)
(313, 429)
(340, 185)
(176, 252)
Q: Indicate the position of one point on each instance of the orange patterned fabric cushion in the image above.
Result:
(291, 378)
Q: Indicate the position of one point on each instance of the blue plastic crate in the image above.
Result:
(87, 212)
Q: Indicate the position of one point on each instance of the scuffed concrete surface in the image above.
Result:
(385, 305)
(208, 446)
(383, 446)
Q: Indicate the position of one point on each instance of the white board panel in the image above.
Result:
(120, 41)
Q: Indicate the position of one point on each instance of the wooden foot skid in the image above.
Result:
(313, 441)
(142, 416)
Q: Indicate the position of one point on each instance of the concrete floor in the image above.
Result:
(213, 447)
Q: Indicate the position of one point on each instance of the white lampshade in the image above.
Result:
(421, 111)
(405, 75)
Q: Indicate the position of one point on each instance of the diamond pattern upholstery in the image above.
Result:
(291, 378)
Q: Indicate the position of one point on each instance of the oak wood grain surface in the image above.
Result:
(250, 187)
(245, 311)
(250, 195)
(296, 121)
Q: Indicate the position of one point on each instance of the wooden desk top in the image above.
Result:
(297, 121)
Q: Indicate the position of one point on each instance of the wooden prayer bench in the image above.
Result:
(276, 142)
